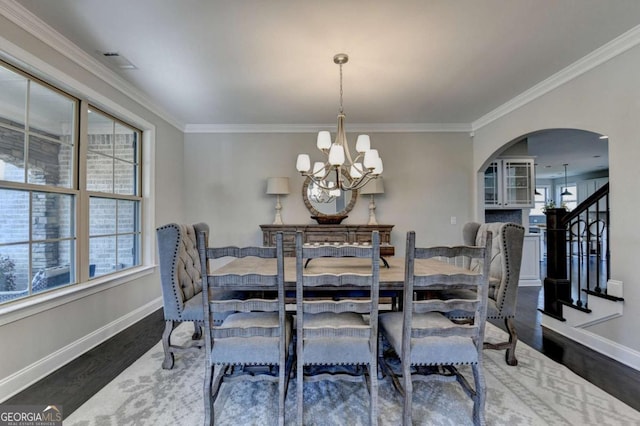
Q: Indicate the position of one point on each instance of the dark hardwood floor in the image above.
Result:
(79, 380)
(76, 382)
(615, 378)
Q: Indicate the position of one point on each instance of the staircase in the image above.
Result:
(578, 291)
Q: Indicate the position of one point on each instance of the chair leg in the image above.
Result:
(510, 356)
(197, 330)
(299, 395)
(208, 401)
(373, 394)
(479, 398)
(408, 391)
(167, 364)
(212, 382)
(282, 380)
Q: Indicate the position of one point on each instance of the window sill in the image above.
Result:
(33, 305)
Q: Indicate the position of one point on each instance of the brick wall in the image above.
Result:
(50, 163)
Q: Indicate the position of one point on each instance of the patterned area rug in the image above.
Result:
(538, 391)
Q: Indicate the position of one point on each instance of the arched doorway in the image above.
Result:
(585, 154)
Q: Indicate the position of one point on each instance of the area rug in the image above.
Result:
(538, 391)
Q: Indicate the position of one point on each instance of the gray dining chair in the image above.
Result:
(338, 331)
(181, 277)
(256, 331)
(504, 277)
(430, 345)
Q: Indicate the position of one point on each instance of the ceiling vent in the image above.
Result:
(117, 60)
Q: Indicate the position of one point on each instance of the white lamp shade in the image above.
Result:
(378, 167)
(324, 140)
(374, 186)
(318, 169)
(363, 143)
(336, 155)
(303, 164)
(356, 170)
(278, 185)
(370, 158)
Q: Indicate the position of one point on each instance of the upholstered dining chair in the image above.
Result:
(181, 276)
(506, 258)
(340, 331)
(255, 332)
(429, 344)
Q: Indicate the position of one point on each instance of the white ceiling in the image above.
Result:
(256, 62)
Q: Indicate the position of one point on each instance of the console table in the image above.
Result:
(327, 234)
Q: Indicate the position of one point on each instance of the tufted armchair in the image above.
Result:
(181, 277)
(504, 275)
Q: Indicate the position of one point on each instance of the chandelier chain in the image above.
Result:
(341, 110)
(351, 174)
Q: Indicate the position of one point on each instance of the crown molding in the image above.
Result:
(599, 56)
(313, 128)
(26, 20)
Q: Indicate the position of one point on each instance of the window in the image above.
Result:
(43, 195)
(113, 177)
(541, 197)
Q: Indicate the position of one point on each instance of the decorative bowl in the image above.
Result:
(329, 219)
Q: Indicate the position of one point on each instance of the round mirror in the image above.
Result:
(328, 202)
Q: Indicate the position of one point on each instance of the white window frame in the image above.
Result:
(547, 189)
(35, 304)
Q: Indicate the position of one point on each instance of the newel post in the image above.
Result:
(556, 285)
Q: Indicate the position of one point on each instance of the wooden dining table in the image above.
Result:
(391, 278)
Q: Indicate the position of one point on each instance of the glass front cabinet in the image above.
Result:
(509, 184)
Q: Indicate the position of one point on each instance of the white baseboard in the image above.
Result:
(607, 347)
(24, 378)
(533, 282)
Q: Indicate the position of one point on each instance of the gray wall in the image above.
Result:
(427, 179)
(27, 342)
(603, 100)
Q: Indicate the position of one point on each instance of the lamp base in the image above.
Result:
(372, 212)
(278, 219)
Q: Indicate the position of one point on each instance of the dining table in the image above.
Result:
(391, 278)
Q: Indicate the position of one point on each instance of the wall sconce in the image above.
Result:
(375, 186)
(278, 186)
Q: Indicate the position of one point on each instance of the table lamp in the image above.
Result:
(278, 186)
(375, 186)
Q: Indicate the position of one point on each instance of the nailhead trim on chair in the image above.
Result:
(173, 262)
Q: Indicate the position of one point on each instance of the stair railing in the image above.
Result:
(578, 257)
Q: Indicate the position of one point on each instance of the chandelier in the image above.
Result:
(350, 173)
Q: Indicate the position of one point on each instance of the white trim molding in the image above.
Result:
(24, 378)
(576, 328)
(599, 56)
(313, 128)
(22, 17)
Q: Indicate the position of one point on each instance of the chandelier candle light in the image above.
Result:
(366, 166)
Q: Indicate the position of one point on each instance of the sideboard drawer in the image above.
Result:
(288, 238)
(323, 234)
(311, 238)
